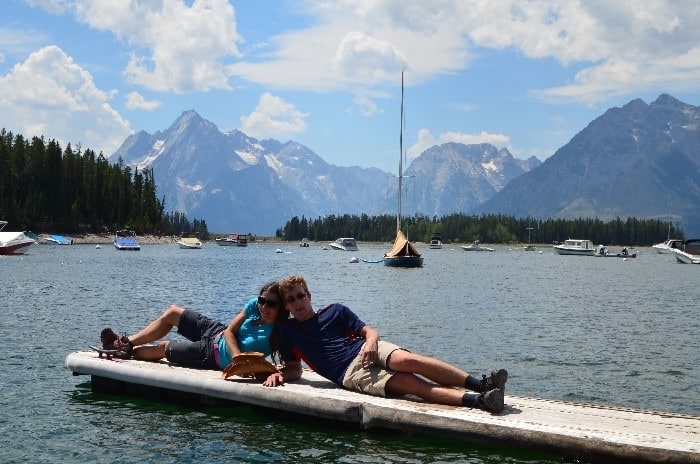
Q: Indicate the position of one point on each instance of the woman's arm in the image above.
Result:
(231, 331)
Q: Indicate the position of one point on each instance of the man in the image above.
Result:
(335, 343)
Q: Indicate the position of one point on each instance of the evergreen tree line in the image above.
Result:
(46, 189)
(462, 228)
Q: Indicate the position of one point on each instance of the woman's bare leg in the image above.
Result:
(158, 328)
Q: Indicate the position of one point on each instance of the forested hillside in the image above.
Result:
(44, 188)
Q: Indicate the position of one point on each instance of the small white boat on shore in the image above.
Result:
(576, 247)
(58, 240)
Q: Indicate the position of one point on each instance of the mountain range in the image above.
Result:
(640, 160)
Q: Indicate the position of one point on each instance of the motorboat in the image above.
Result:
(576, 247)
(603, 252)
(435, 242)
(189, 243)
(344, 244)
(477, 246)
(233, 239)
(125, 239)
(304, 243)
(667, 246)
(12, 243)
(58, 240)
(688, 252)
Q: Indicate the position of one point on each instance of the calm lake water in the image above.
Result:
(598, 330)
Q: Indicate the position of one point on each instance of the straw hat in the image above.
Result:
(252, 363)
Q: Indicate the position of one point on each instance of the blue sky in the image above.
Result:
(522, 75)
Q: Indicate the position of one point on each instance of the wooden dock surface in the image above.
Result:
(578, 431)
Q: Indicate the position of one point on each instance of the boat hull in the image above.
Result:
(14, 243)
(404, 261)
(576, 247)
(344, 244)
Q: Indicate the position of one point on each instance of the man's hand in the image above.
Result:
(274, 380)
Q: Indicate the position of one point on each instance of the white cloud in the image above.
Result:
(273, 118)
(427, 139)
(135, 101)
(177, 48)
(366, 105)
(620, 48)
(50, 95)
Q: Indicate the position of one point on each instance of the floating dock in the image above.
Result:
(573, 430)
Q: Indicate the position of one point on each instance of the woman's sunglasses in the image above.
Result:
(292, 298)
(269, 303)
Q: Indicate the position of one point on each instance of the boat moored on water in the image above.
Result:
(435, 242)
(402, 253)
(576, 247)
(189, 243)
(125, 239)
(12, 243)
(667, 246)
(233, 239)
(477, 246)
(344, 244)
(603, 252)
(688, 252)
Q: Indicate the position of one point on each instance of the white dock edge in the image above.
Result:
(590, 432)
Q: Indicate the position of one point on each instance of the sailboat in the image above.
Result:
(403, 253)
(529, 246)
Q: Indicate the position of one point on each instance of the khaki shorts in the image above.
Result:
(372, 379)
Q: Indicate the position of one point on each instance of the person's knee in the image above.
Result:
(404, 361)
(173, 314)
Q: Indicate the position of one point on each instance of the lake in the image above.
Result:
(588, 329)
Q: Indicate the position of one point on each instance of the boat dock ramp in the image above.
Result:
(590, 433)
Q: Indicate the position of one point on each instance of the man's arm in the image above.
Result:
(291, 371)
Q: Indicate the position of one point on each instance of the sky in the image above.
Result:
(522, 75)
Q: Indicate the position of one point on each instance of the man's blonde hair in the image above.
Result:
(288, 283)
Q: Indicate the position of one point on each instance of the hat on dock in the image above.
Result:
(250, 364)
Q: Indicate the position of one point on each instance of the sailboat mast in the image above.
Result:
(398, 213)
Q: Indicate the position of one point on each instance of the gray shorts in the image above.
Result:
(199, 351)
(372, 379)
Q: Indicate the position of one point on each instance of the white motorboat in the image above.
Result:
(668, 245)
(476, 246)
(435, 242)
(13, 242)
(576, 247)
(125, 239)
(233, 239)
(688, 252)
(344, 244)
(190, 243)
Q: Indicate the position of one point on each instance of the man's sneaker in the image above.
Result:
(497, 379)
(111, 341)
(491, 401)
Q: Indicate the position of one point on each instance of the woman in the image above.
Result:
(212, 345)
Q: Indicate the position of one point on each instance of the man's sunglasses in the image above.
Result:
(269, 303)
(292, 298)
